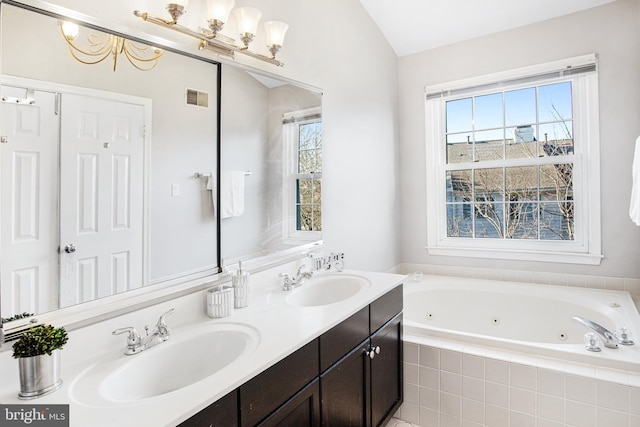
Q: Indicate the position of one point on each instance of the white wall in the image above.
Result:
(611, 31)
(334, 45)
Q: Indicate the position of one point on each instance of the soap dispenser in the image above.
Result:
(240, 282)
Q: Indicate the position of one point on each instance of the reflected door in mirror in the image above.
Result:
(79, 238)
(29, 161)
(101, 200)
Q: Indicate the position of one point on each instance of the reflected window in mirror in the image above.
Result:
(302, 139)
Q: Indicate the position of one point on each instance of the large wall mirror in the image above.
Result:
(99, 193)
(114, 180)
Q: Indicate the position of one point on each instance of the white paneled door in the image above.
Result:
(29, 129)
(101, 198)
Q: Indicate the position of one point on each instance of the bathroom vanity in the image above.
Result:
(349, 375)
(300, 360)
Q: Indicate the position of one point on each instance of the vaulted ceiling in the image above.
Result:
(413, 26)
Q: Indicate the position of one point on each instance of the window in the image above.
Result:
(302, 137)
(515, 159)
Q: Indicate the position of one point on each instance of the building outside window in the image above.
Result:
(513, 165)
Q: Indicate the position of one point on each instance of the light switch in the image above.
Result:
(175, 190)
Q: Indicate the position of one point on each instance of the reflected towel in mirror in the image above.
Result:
(211, 186)
(231, 193)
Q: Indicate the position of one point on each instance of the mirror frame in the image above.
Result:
(84, 314)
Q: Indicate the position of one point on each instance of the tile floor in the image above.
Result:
(397, 422)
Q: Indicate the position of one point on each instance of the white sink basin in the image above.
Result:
(326, 290)
(189, 356)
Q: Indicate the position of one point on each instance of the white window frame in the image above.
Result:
(586, 248)
(290, 135)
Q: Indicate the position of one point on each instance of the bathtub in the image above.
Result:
(518, 317)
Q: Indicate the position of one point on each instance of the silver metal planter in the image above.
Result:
(39, 375)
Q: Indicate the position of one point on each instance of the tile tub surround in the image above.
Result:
(267, 313)
(450, 384)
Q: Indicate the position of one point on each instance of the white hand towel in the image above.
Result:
(231, 193)
(634, 208)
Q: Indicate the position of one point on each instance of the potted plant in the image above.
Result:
(38, 354)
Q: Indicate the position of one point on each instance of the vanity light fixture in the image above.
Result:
(101, 47)
(218, 12)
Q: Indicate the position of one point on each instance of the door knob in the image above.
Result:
(70, 248)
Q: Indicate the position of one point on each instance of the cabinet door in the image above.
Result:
(271, 389)
(342, 338)
(345, 390)
(302, 410)
(222, 413)
(386, 372)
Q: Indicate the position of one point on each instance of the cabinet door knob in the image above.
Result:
(373, 351)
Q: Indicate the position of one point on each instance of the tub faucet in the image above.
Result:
(137, 344)
(292, 282)
(608, 338)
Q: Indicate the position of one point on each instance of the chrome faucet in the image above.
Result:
(137, 344)
(608, 338)
(297, 280)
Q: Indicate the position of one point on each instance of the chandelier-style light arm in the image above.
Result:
(101, 53)
(102, 47)
(209, 40)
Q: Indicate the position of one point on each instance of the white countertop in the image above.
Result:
(282, 328)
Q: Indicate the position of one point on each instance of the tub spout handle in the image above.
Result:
(608, 338)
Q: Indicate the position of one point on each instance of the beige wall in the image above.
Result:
(612, 32)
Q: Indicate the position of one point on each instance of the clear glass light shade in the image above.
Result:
(219, 9)
(275, 31)
(248, 18)
(70, 30)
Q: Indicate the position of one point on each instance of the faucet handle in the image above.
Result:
(132, 339)
(161, 326)
(287, 277)
(307, 273)
(623, 335)
(164, 316)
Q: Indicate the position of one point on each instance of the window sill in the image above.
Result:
(520, 255)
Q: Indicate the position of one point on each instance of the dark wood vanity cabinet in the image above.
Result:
(222, 413)
(364, 387)
(275, 390)
(349, 376)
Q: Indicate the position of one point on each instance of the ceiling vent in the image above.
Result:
(197, 98)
